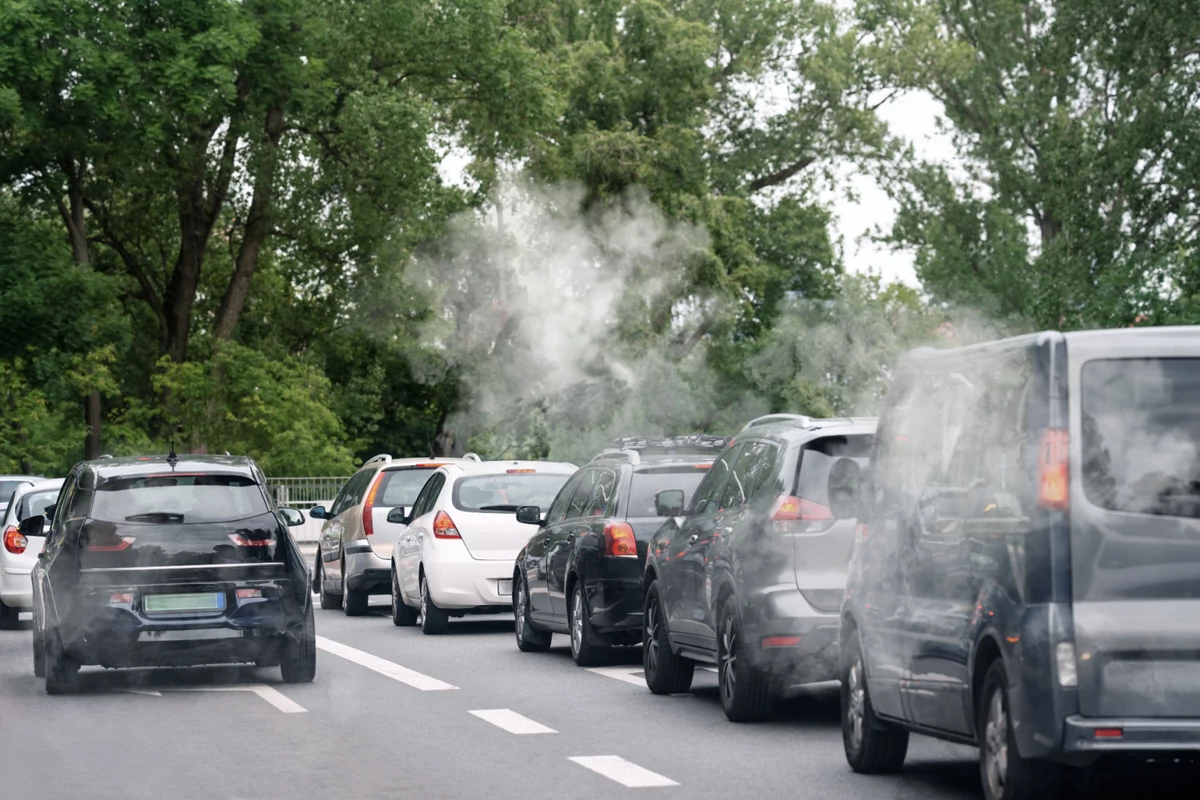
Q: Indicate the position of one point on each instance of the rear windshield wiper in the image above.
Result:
(156, 516)
(497, 508)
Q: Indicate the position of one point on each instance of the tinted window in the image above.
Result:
(753, 467)
(504, 493)
(600, 499)
(428, 495)
(812, 481)
(582, 492)
(36, 503)
(400, 487)
(168, 499)
(707, 493)
(558, 511)
(647, 484)
(1141, 435)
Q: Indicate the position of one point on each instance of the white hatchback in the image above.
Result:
(19, 553)
(456, 555)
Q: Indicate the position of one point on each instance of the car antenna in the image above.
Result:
(172, 459)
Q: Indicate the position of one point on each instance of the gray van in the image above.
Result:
(1027, 575)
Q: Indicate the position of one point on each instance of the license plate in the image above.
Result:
(174, 603)
(504, 588)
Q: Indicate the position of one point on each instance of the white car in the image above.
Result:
(456, 555)
(19, 553)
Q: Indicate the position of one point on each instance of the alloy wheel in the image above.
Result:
(576, 621)
(519, 610)
(424, 601)
(651, 643)
(995, 743)
(856, 708)
(729, 643)
(395, 596)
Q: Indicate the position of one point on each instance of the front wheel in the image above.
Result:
(62, 671)
(433, 619)
(745, 690)
(403, 615)
(1005, 774)
(299, 663)
(39, 651)
(666, 672)
(872, 747)
(585, 653)
(529, 638)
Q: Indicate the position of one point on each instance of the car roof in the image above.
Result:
(795, 430)
(655, 459)
(139, 465)
(500, 467)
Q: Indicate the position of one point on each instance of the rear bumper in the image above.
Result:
(16, 588)
(1138, 735)
(467, 584)
(615, 603)
(367, 572)
(782, 615)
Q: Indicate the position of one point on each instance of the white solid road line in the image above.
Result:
(383, 666)
(633, 675)
(511, 721)
(268, 693)
(623, 772)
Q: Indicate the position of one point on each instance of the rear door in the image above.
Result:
(558, 544)
(332, 530)
(537, 549)
(1135, 524)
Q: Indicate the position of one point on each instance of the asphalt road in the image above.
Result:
(396, 714)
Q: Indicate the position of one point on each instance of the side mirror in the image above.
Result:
(845, 488)
(318, 512)
(33, 526)
(669, 503)
(398, 516)
(292, 516)
(530, 515)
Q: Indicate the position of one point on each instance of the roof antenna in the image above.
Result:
(172, 459)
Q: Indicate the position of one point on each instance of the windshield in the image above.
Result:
(36, 503)
(1141, 435)
(178, 498)
(646, 484)
(400, 487)
(507, 492)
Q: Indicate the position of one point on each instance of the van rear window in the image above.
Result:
(1141, 435)
(818, 458)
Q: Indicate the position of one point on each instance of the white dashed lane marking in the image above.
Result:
(511, 721)
(394, 671)
(623, 772)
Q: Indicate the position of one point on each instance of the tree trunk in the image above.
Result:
(94, 422)
(195, 226)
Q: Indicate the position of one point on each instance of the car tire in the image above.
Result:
(1004, 773)
(62, 671)
(585, 653)
(10, 617)
(529, 638)
(39, 652)
(354, 602)
(299, 662)
(403, 615)
(872, 746)
(329, 600)
(433, 619)
(745, 690)
(666, 672)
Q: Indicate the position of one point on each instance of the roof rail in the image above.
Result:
(382, 458)
(770, 419)
(105, 455)
(471, 457)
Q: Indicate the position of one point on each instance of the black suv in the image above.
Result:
(581, 572)
(1027, 577)
(751, 577)
(165, 561)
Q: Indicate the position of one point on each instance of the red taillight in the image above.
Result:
(781, 641)
(368, 521)
(519, 471)
(619, 539)
(14, 542)
(246, 594)
(242, 541)
(1053, 472)
(443, 527)
(124, 544)
(427, 466)
(813, 517)
(701, 466)
(122, 599)
(1109, 733)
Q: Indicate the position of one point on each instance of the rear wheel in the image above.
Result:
(529, 639)
(329, 600)
(299, 663)
(10, 617)
(39, 652)
(872, 747)
(433, 619)
(62, 672)
(666, 672)
(1005, 775)
(354, 602)
(403, 615)
(583, 651)
(745, 690)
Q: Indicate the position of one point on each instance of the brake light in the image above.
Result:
(246, 594)
(781, 641)
(14, 542)
(519, 471)
(1053, 471)
(427, 466)
(178, 475)
(619, 539)
(122, 599)
(1109, 733)
(242, 541)
(443, 527)
(368, 517)
(112, 548)
(701, 466)
(813, 517)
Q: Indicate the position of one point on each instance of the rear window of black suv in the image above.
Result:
(183, 498)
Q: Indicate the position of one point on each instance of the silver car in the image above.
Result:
(19, 553)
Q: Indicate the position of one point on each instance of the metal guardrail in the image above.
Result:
(305, 493)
